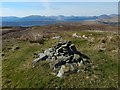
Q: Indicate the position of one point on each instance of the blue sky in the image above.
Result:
(60, 0)
(47, 8)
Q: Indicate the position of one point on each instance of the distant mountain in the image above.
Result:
(10, 19)
(111, 19)
(104, 16)
(36, 20)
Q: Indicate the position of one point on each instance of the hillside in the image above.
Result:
(21, 44)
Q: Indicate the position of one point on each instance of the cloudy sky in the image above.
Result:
(48, 8)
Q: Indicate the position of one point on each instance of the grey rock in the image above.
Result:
(63, 57)
(41, 55)
(61, 71)
(56, 37)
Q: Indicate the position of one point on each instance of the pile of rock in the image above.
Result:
(63, 57)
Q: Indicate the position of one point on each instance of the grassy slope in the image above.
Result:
(18, 71)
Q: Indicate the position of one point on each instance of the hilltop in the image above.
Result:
(20, 44)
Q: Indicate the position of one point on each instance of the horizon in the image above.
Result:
(23, 9)
(60, 15)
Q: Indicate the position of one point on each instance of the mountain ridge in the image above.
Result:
(35, 20)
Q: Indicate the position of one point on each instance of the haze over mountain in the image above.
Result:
(37, 20)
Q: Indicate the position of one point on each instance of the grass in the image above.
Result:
(17, 70)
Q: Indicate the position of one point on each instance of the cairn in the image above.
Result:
(62, 58)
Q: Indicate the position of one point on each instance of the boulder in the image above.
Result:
(75, 35)
(56, 37)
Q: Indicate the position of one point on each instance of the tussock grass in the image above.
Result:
(17, 71)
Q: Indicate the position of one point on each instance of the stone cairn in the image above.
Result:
(63, 58)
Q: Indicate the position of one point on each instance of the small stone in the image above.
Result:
(3, 54)
(78, 71)
(9, 48)
(8, 81)
(17, 47)
(52, 73)
(95, 76)
(61, 72)
(100, 50)
(103, 41)
(87, 77)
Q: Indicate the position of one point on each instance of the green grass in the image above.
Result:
(17, 70)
